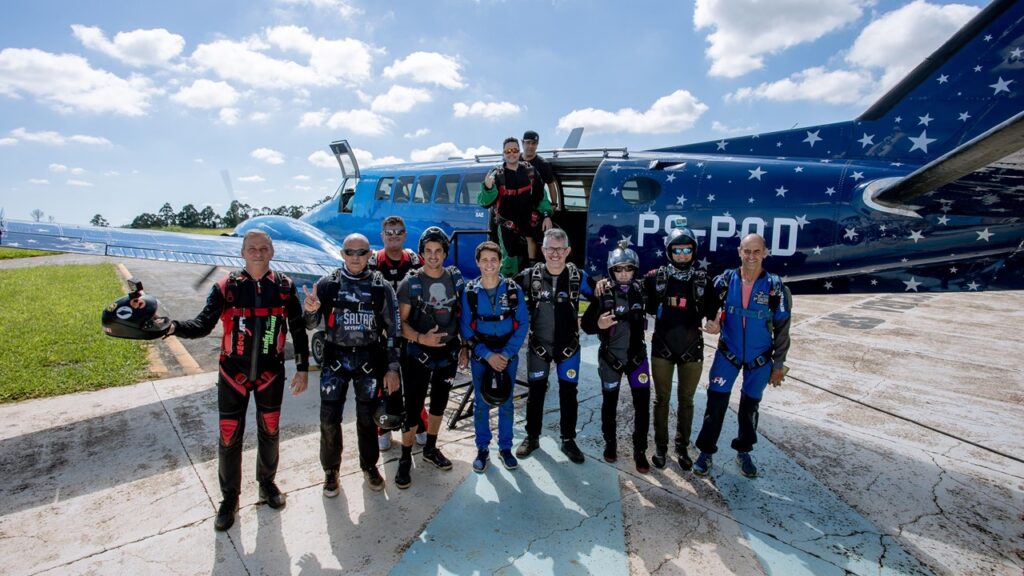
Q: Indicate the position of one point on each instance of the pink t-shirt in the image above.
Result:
(747, 290)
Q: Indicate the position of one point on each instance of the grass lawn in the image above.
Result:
(9, 253)
(207, 231)
(51, 341)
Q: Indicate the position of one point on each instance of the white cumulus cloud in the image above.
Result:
(228, 116)
(206, 94)
(813, 84)
(673, 113)
(428, 68)
(38, 181)
(744, 31)
(366, 158)
(153, 47)
(68, 83)
(300, 177)
(80, 183)
(361, 122)
(268, 155)
(327, 62)
(399, 99)
(253, 178)
(417, 134)
(313, 119)
(342, 7)
(446, 150)
(322, 159)
(488, 110)
(56, 138)
(8, 141)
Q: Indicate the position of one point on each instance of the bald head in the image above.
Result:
(752, 240)
(752, 252)
(356, 240)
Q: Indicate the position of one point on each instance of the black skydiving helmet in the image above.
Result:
(134, 316)
(496, 387)
(680, 236)
(622, 255)
(386, 418)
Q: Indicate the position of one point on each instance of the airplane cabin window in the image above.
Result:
(640, 190)
(446, 188)
(383, 189)
(347, 191)
(402, 186)
(424, 186)
(471, 188)
(575, 192)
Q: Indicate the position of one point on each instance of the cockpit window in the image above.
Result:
(383, 192)
(640, 190)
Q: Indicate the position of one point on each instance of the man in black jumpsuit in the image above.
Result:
(360, 314)
(253, 304)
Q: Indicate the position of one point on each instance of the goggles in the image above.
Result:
(682, 250)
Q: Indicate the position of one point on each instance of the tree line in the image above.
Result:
(191, 217)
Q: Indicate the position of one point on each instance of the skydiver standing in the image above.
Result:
(552, 290)
(618, 316)
(360, 314)
(544, 177)
(253, 305)
(394, 261)
(494, 323)
(509, 189)
(428, 301)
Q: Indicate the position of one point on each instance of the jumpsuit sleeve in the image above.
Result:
(781, 322)
(204, 323)
(589, 321)
(487, 195)
(712, 304)
(544, 206)
(312, 319)
(519, 336)
(392, 326)
(297, 327)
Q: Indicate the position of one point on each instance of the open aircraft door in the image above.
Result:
(346, 158)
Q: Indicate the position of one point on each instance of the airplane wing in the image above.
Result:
(996, 148)
(290, 256)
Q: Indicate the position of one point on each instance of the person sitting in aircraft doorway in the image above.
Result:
(394, 261)
(552, 291)
(619, 318)
(508, 191)
(428, 303)
(756, 308)
(545, 177)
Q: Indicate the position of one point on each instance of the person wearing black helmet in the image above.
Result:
(360, 315)
(677, 296)
(428, 303)
(619, 318)
(494, 324)
(508, 191)
(254, 305)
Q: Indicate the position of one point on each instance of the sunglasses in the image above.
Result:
(618, 269)
(686, 250)
(511, 150)
(394, 232)
(356, 251)
(552, 250)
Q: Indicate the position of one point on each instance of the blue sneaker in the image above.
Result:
(480, 464)
(508, 460)
(703, 464)
(746, 464)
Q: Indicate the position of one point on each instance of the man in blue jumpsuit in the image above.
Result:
(755, 339)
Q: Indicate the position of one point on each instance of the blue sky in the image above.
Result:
(116, 108)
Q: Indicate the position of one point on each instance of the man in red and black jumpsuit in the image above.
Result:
(254, 305)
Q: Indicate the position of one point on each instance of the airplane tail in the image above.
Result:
(967, 91)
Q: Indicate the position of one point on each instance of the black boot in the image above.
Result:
(226, 514)
(659, 459)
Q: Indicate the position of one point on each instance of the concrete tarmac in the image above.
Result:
(892, 448)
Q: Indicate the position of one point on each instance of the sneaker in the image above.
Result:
(570, 449)
(403, 478)
(271, 495)
(480, 464)
(685, 462)
(226, 514)
(384, 442)
(421, 438)
(508, 460)
(331, 483)
(703, 464)
(659, 459)
(374, 479)
(640, 459)
(527, 446)
(436, 458)
(610, 453)
(746, 464)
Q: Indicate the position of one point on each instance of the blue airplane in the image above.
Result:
(923, 192)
